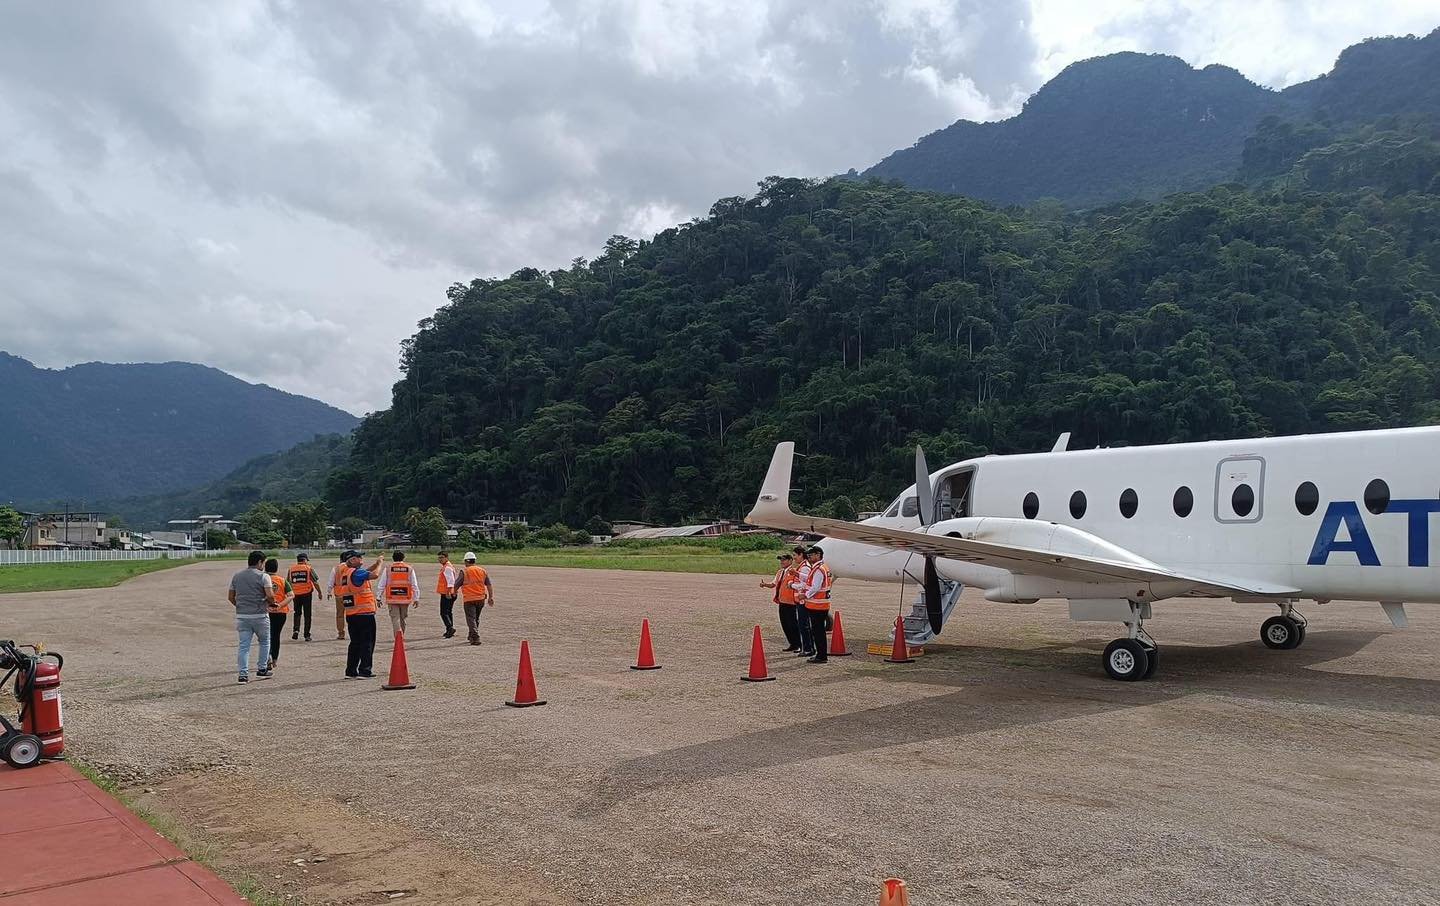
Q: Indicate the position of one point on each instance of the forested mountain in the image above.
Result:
(101, 431)
(858, 318)
(1133, 125)
(296, 474)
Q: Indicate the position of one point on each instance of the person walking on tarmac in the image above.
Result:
(817, 603)
(400, 588)
(445, 588)
(251, 593)
(473, 584)
(279, 608)
(357, 596)
(799, 579)
(335, 596)
(304, 583)
(784, 597)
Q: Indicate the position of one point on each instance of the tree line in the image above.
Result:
(859, 319)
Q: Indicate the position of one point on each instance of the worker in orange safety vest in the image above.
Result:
(784, 597)
(816, 599)
(400, 588)
(304, 583)
(475, 588)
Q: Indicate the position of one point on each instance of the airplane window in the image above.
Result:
(1307, 498)
(1377, 496)
(1031, 505)
(1184, 502)
(1242, 499)
(1129, 503)
(911, 507)
(893, 511)
(1077, 504)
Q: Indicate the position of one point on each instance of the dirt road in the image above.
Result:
(1002, 767)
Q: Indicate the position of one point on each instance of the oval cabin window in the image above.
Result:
(1129, 503)
(1184, 502)
(1077, 505)
(1031, 506)
(1377, 497)
(1242, 499)
(1307, 498)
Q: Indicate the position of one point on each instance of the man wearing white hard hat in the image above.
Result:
(474, 586)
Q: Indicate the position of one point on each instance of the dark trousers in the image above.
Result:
(277, 626)
(817, 632)
(790, 624)
(302, 608)
(447, 612)
(472, 619)
(802, 626)
(361, 653)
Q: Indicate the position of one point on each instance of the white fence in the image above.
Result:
(30, 557)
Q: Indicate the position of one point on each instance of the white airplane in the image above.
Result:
(1271, 521)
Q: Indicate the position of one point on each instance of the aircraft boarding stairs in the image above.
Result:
(917, 621)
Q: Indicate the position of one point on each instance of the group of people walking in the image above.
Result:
(802, 592)
(263, 600)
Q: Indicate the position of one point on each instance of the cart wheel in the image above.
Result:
(22, 751)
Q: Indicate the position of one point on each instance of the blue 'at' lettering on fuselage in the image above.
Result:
(1347, 513)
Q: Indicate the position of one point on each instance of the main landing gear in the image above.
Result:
(1136, 656)
(1285, 631)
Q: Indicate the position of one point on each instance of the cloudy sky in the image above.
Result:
(282, 189)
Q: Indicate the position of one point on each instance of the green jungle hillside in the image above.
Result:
(860, 318)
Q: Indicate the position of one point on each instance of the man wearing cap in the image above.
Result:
(817, 602)
(474, 586)
(357, 597)
(304, 583)
(784, 597)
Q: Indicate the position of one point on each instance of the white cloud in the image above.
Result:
(282, 189)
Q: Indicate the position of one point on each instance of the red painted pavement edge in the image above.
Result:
(165, 867)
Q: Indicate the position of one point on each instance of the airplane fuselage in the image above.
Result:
(1348, 516)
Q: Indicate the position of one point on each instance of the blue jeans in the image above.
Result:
(258, 626)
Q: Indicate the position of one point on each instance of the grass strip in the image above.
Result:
(199, 851)
(66, 576)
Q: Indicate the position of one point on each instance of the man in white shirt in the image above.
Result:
(807, 642)
(445, 587)
(399, 589)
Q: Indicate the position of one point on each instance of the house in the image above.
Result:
(121, 539)
(55, 530)
(629, 525)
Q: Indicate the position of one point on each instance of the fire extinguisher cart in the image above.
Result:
(37, 689)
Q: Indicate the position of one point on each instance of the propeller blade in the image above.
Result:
(922, 488)
(932, 595)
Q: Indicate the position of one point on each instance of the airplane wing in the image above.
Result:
(772, 510)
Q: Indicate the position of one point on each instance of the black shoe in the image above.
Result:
(307, 638)
(294, 636)
(352, 675)
(810, 653)
(791, 648)
(262, 674)
(366, 674)
(817, 660)
(449, 634)
(243, 678)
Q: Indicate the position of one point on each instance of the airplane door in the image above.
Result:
(1240, 489)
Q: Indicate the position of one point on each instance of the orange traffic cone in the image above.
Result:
(758, 672)
(646, 659)
(526, 695)
(837, 639)
(893, 893)
(399, 669)
(899, 654)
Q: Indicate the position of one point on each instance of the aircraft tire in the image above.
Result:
(1126, 659)
(1153, 653)
(1281, 633)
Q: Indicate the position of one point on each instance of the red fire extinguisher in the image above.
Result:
(37, 689)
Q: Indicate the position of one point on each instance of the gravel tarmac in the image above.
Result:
(1001, 767)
